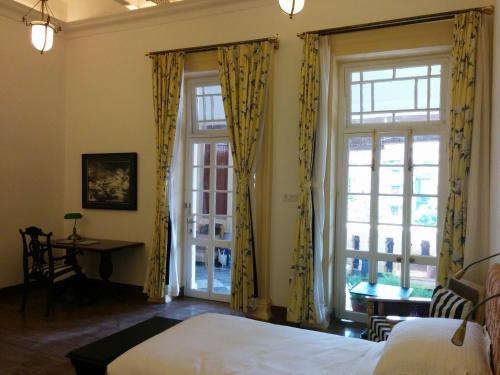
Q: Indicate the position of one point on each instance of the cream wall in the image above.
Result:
(109, 107)
(31, 141)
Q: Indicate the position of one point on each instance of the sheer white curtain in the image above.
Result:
(176, 205)
(319, 173)
(478, 205)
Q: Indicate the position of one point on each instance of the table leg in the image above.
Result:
(106, 266)
(105, 271)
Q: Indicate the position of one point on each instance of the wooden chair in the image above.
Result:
(40, 266)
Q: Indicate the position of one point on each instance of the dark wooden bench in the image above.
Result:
(92, 359)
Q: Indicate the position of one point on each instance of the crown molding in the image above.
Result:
(161, 14)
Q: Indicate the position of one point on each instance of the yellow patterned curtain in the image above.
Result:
(167, 82)
(301, 306)
(465, 36)
(243, 71)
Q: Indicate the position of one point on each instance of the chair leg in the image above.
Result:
(50, 297)
(25, 296)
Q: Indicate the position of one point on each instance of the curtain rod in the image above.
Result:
(214, 47)
(397, 22)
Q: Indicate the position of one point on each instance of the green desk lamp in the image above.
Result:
(75, 216)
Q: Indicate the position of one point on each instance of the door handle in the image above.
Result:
(399, 259)
(412, 260)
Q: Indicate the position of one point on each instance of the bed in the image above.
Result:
(222, 344)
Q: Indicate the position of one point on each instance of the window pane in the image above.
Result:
(355, 76)
(436, 69)
(425, 180)
(208, 108)
(367, 97)
(391, 180)
(389, 273)
(201, 202)
(378, 118)
(390, 210)
(224, 179)
(426, 149)
(223, 228)
(221, 154)
(199, 254)
(413, 116)
(394, 95)
(219, 108)
(423, 241)
(435, 92)
(355, 119)
(359, 180)
(200, 225)
(422, 93)
(377, 74)
(358, 208)
(223, 203)
(201, 178)
(210, 90)
(355, 98)
(356, 270)
(389, 239)
(200, 112)
(360, 151)
(392, 150)
(358, 237)
(222, 270)
(434, 115)
(422, 280)
(201, 154)
(424, 211)
(414, 71)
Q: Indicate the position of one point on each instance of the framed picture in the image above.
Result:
(109, 181)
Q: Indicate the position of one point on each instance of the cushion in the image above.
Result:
(378, 328)
(447, 304)
(423, 346)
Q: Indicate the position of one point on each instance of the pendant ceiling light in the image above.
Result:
(42, 30)
(292, 7)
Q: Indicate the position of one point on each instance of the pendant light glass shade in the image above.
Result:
(292, 7)
(42, 30)
(42, 35)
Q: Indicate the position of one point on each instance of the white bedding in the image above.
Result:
(222, 344)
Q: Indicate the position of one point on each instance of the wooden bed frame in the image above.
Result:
(93, 359)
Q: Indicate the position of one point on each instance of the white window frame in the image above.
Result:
(211, 136)
(347, 68)
(376, 131)
(194, 81)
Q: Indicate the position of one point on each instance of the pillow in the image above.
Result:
(447, 304)
(423, 347)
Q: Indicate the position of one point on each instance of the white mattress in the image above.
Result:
(222, 344)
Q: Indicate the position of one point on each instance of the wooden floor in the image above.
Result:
(34, 344)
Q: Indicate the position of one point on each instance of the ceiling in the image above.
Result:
(76, 10)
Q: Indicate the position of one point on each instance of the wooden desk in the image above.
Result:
(391, 300)
(104, 247)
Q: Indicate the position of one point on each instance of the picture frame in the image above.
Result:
(109, 181)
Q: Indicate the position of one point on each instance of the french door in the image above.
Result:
(209, 214)
(391, 205)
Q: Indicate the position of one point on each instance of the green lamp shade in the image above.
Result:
(73, 215)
